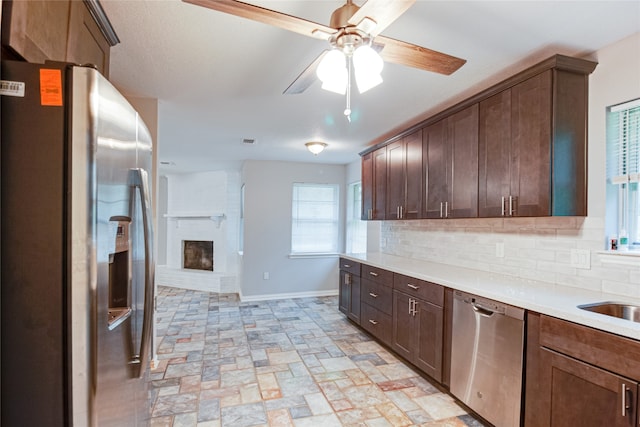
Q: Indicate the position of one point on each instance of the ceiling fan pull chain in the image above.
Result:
(347, 111)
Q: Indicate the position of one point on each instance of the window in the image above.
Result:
(315, 219)
(356, 228)
(623, 172)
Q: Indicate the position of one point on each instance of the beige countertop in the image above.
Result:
(546, 298)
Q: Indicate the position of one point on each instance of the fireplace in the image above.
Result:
(197, 254)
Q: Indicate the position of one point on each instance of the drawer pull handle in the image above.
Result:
(347, 266)
(625, 405)
(373, 273)
(373, 295)
(414, 287)
(373, 322)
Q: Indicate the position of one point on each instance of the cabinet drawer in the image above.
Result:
(419, 288)
(376, 323)
(608, 351)
(350, 266)
(377, 295)
(379, 275)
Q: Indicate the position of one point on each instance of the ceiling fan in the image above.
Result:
(350, 27)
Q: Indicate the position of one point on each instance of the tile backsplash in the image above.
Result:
(531, 248)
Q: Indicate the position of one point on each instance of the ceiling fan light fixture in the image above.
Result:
(332, 72)
(367, 68)
(316, 147)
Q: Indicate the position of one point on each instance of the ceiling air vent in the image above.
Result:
(249, 141)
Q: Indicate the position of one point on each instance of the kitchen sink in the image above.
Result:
(615, 309)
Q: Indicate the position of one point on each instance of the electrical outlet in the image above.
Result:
(500, 249)
(265, 275)
(581, 258)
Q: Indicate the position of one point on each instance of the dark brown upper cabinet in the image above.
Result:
(518, 148)
(451, 166)
(532, 152)
(374, 184)
(63, 30)
(404, 177)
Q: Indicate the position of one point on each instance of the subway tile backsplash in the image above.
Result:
(532, 248)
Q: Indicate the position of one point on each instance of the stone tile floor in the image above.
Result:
(290, 362)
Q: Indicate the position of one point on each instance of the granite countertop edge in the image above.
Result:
(555, 300)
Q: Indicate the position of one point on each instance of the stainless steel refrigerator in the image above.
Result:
(77, 292)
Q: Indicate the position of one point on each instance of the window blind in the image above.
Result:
(315, 218)
(623, 148)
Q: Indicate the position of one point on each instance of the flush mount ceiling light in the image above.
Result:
(316, 147)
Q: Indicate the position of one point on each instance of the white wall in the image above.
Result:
(203, 194)
(539, 248)
(267, 231)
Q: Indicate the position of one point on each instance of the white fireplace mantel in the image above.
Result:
(217, 217)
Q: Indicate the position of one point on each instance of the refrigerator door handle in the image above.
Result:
(139, 179)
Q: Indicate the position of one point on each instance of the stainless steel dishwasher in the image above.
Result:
(486, 357)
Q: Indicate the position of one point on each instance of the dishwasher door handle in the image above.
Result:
(481, 310)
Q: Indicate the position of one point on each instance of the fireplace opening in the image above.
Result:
(198, 254)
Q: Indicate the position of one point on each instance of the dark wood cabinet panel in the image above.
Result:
(462, 140)
(379, 275)
(86, 44)
(494, 151)
(349, 295)
(436, 167)
(422, 289)
(379, 183)
(451, 166)
(350, 266)
(376, 323)
(531, 146)
(367, 186)
(36, 30)
(586, 396)
(404, 177)
(376, 295)
(418, 333)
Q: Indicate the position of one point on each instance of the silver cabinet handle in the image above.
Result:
(401, 212)
(414, 287)
(512, 205)
(441, 205)
(373, 295)
(446, 209)
(503, 207)
(415, 308)
(347, 265)
(626, 405)
(370, 213)
(398, 212)
(138, 178)
(373, 273)
(347, 278)
(373, 322)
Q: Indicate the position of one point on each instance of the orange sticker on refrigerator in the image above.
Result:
(50, 87)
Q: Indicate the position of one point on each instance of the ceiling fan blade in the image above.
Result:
(412, 55)
(306, 78)
(382, 12)
(267, 16)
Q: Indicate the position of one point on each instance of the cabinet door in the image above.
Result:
(367, 186)
(413, 175)
(494, 152)
(586, 396)
(379, 182)
(531, 145)
(428, 339)
(344, 292)
(86, 44)
(354, 300)
(402, 335)
(462, 142)
(36, 30)
(435, 164)
(396, 184)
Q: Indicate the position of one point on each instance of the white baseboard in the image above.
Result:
(310, 294)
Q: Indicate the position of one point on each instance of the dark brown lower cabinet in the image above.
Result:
(376, 322)
(587, 396)
(579, 376)
(417, 333)
(349, 295)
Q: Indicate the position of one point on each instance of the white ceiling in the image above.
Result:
(219, 78)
